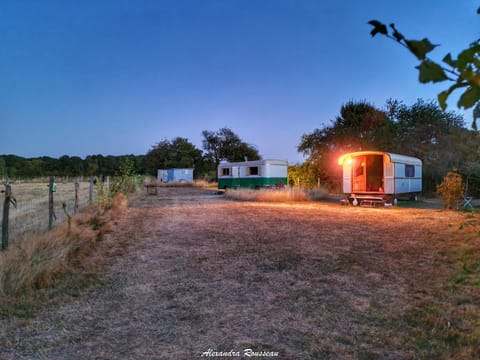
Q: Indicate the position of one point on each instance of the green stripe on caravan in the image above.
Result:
(252, 174)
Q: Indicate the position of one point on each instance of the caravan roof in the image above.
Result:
(255, 163)
(394, 158)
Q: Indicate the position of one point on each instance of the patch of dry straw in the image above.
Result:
(36, 262)
(267, 195)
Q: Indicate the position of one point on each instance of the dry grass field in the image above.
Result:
(31, 213)
(307, 280)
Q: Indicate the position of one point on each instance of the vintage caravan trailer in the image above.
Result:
(175, 175)
(252, 174)
(375, 176)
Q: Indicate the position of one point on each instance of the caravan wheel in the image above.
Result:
(392, 200)
(354, 201)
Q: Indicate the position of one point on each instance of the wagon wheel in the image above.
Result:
(354, 201)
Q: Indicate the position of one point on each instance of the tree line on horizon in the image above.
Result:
(179, 152)
(423, 130)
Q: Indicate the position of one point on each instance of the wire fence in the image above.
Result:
(31, 211)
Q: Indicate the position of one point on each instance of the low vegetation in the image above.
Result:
(30, 215)
(42, 261)
(309, 280)
(451, 190)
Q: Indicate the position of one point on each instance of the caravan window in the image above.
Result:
(225, 171)
(409, 171)
(253, 170)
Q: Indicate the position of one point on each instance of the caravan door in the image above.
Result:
(388, 176)
(235, 176)
(359, 174)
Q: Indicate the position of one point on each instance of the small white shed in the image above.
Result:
(380, 175)
(175, 175)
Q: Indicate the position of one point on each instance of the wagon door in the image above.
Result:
(388, 176)
(359, 174)
(235, 176)
(347, 177)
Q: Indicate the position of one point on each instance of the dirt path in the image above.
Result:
(204, 275)
(124, 319)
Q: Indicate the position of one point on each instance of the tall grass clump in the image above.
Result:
(38, 262)
(317, 194)
(126, 182)
(267, 195)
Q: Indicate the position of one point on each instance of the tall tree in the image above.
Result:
(422, 126)
(177, 153)
(437, 137)
(423, 130)
(224, 144)
(360, 126)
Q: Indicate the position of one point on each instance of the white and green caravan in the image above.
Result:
(252, 174)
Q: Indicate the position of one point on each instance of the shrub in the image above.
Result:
(451, 190)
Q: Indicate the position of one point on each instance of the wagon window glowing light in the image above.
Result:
(345, 160)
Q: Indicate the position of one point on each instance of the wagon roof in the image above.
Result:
(255, 163)
(394, 158)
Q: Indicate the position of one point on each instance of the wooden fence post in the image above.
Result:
(75, 204)
(90, 191)
(9, 199)
(51, 208)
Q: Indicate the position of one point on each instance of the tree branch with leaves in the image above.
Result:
(464, 71)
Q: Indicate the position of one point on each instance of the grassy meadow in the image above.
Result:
(188, 270)
(31, 213)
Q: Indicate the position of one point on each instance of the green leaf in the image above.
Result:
(378, 27)
(449, 61)
(468, 74)
(430, 71)
(469, 98)
(468, 56)
(420, 48)
(442, 99)
(396, 34)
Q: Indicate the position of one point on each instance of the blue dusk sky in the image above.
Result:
(114, 77)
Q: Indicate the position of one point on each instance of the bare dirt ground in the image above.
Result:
(205, 275)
